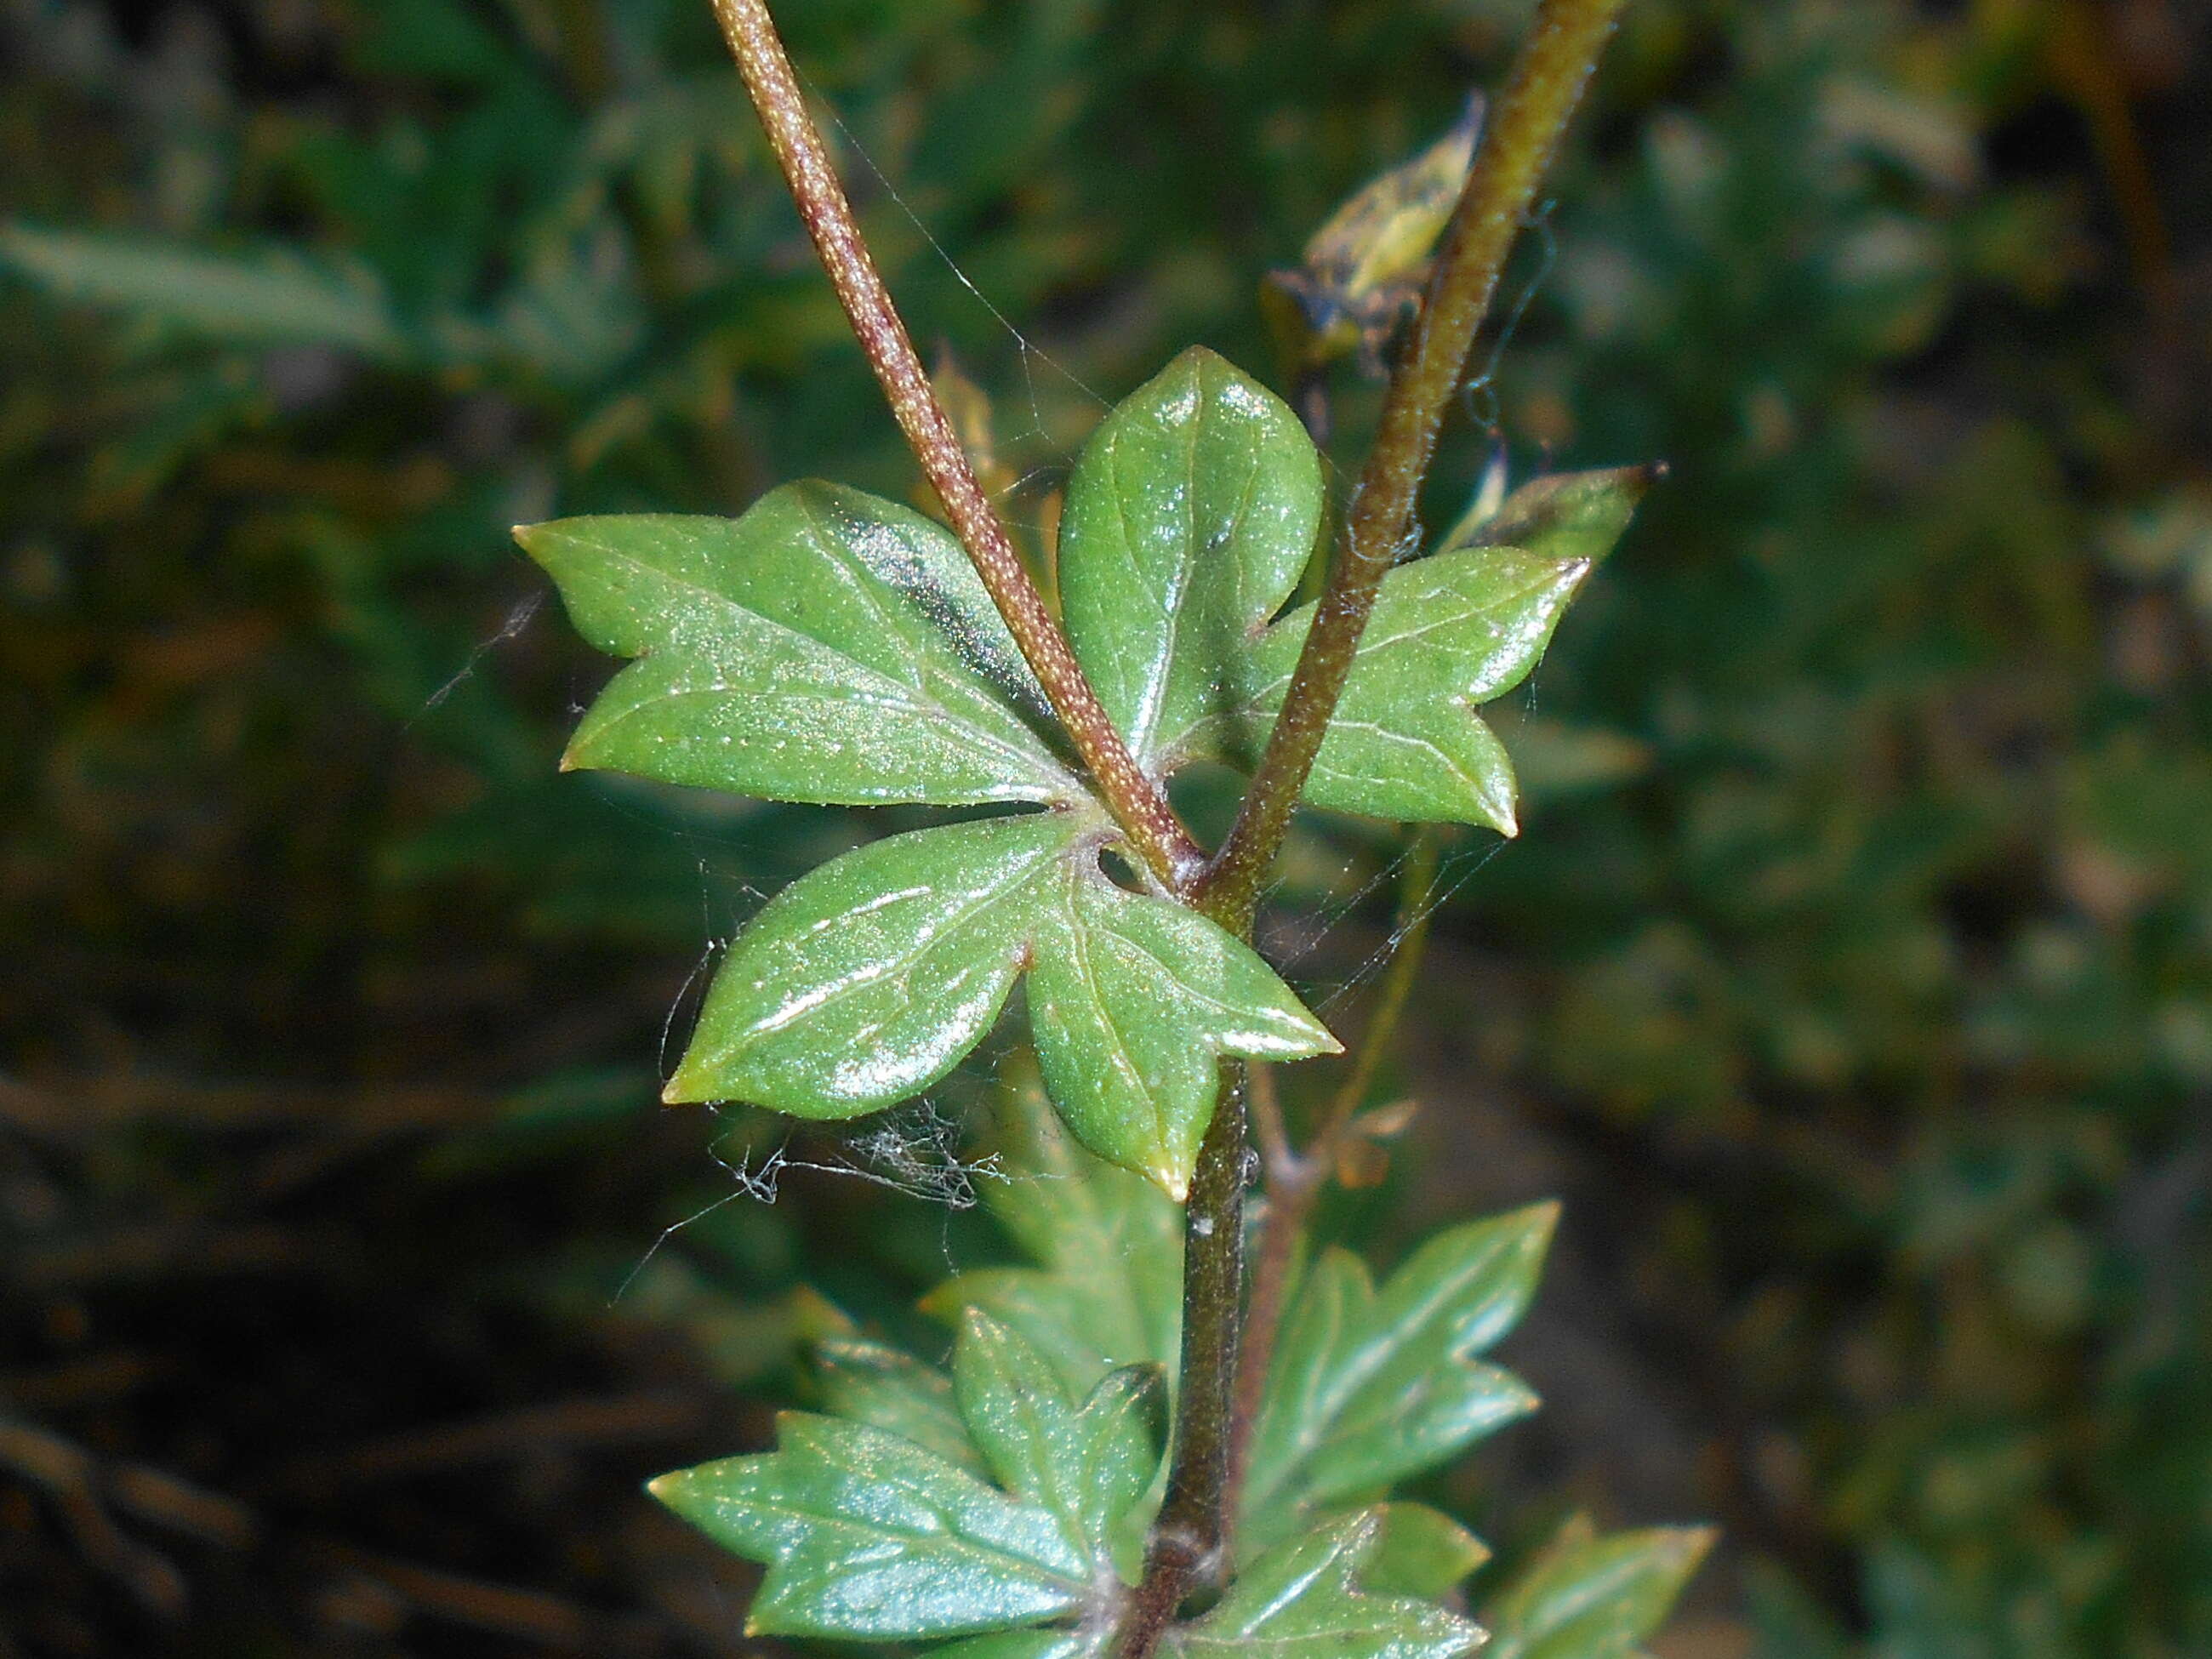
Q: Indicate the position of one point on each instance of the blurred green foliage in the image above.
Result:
(1864, 915)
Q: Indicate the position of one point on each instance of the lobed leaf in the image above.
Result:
(1132, 1002)
(1422, 1552)
(1563, 515)
(1369, 1387)
(1190, 516)
(869, 979)
(869, 1536)
(1303, 1600)
(827, 646)
(1088, 1466)
(1447, 633)
(1591, 1597)
(1108, 1289)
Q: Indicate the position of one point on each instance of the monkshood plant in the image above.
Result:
(1139, 1447)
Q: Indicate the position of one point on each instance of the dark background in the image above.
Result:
(1852, 981)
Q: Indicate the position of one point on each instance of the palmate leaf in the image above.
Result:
(1089, 1465)
(1191, 513)
(869, 1535)
(832, 648)
(1447, 633)
(1450, 631)
(827, 646)
(1312, 1598)
(871, 978)
(1586, 1596)
(1367, 1386)
(1107, 1290)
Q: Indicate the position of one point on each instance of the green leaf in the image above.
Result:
(1565, 515)
(1423, 1551)
(1088, 1466)
(869, 1382)
(827, 646)
(1367, 1386)
(1191, 512)
(263, 298)
(869, 1536)
(1133, 1001)
(869, 979)
(1447, 633)
(1587, 1597)
(1107, 1290)
(1302, 1600)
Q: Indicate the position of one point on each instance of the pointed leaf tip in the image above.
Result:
(868, 981)
(1190, 516)
(827, 648)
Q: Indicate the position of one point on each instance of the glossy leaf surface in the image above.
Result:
(1191, 512)
(1132, 1002)
(1370, 1386)
(1088, 1465)
(1422, 1552)
(827, 646)
(1448, 632)
(867, 979)
(870, 1536)
(1303, 1600)
(1591, 1597)
(871, 978)
(1564, 515)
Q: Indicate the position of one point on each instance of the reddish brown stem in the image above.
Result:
(1133, 797)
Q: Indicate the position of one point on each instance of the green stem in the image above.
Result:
(1130, 794)
(1547, 82)
(1295, 1179)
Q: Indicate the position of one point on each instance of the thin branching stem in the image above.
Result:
(1135, 800)
(1547, 82)
(1188, 1541)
